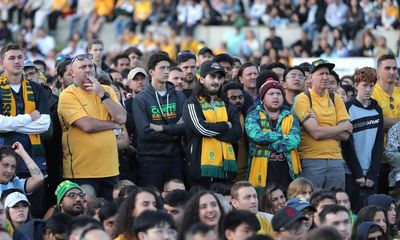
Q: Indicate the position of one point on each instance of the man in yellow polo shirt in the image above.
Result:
(89, 112)
(325, 122)
(388, 97)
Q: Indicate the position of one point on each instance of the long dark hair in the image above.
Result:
(192, 212)
(367, 213)
(124, 221)
(266, 198)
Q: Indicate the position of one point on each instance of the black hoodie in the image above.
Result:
(150, 107)
(364, 148)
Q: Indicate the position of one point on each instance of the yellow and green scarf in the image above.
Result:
(259, 164)
(9, 107)
(217, 157)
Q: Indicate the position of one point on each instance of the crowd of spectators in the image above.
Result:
(162, 137)
(332, 28)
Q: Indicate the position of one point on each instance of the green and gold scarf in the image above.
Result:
(217, 157)
(9, 107)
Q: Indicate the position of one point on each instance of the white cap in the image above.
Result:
(132, 73)
(15, 198)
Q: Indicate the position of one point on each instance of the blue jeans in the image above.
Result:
(121, 23)
(324, 173)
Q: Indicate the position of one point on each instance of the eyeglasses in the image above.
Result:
(74, 195)
(298, 76)
(391, 103)
(62, 57)
(81, 57)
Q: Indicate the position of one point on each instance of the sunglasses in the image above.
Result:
(81, 57)
(62, 57)
(185, 53)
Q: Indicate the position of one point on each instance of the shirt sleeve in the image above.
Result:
(341, 111)
(301, 107)
(69, 107)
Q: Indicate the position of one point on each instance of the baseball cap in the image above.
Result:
(205, 50)
(285, 218)
(211, 67)
(28, 63)
(299, 204)
(15, 198)
(132, 73)
(319, 64)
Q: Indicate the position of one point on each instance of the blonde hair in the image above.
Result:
(298, 186)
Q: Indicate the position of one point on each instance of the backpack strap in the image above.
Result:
(307, 92)
(332, 97)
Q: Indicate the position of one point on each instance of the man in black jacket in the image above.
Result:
(213, 127)
(157, 114)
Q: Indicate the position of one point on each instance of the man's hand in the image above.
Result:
(156, 127)
(369, 183)
(229, 124)
(35, 115)
(361, 181)
(346, 126)
(95, 86)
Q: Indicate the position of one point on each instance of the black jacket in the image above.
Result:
(198, 128)
(164, 145)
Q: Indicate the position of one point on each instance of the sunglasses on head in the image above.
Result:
(81, 57)
(62, 57)
(185, 53)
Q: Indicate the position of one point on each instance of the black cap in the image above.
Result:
(211, 67)
(319, 64)
(285, 218)
(205, 50)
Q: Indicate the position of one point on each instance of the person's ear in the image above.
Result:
(234, 203)
(228, 234)
(141, 235)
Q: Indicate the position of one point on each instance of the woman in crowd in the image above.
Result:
(272, 199)
(64, 77)
(369, 230)
(374, 214)
(134, 204)
(8, 165)
(203, 207)
(300, 188)
(17, 209)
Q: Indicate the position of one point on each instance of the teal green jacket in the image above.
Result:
(271, 140)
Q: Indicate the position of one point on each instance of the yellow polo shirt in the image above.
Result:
(86, 155)
(328, 114)
(384, 102)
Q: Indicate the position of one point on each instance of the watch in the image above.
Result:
(105, 96)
